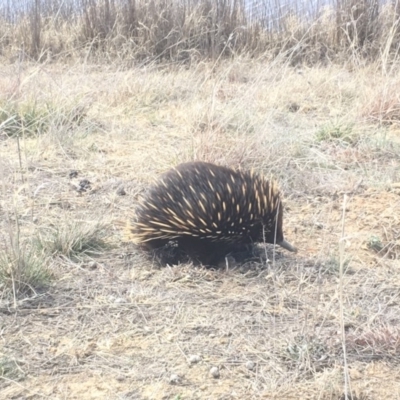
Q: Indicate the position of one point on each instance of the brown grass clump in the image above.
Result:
(384, 105)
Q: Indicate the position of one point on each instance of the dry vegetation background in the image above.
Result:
(95, 104)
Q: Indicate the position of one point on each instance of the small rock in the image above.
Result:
(211, 335)
(250, 365)
(84, 185)
(119, 300)
(92, 265)
(73, 174)
(214, 372)
(319, 225)
(194, 358)
(174, 379)
(121, 191)
(293, 107)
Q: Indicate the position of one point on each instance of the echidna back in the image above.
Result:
(208, 210)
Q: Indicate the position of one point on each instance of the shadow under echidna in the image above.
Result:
(204, 212)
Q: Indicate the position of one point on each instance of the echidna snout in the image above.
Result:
(207, 211)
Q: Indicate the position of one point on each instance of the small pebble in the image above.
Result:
(119, 300)
(174, 379)
(92, 265)
(121, 191)
(293, 107)
(214, 371)
(250, 365)
(73, 174)
(84, 185)
(194, 358)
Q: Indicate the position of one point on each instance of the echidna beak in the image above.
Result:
(286, 245)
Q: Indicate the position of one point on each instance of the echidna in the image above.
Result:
(206, 211)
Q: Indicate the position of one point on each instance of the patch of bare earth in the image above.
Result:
(112, 325)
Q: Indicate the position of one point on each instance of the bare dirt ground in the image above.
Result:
(114, 326)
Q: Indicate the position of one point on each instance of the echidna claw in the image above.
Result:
(286, 245)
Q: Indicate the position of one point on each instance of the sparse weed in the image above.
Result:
(27, 120)
(305, 353)
(31, 119)
(22, 271)
(72, 240)
(375, 243)
(337, 132)
(332, 266)
(9, 369)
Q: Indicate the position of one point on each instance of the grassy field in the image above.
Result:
(84, 315)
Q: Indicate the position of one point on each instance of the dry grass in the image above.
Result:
(112, 325)
(133, 32)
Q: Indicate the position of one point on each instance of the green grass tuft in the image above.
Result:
(332, 266)
(31, 120)
(73, 240)
(305, 353)
(27, 120)
(375, 243)
(9, 369)
(337, 132)
(22, 271)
